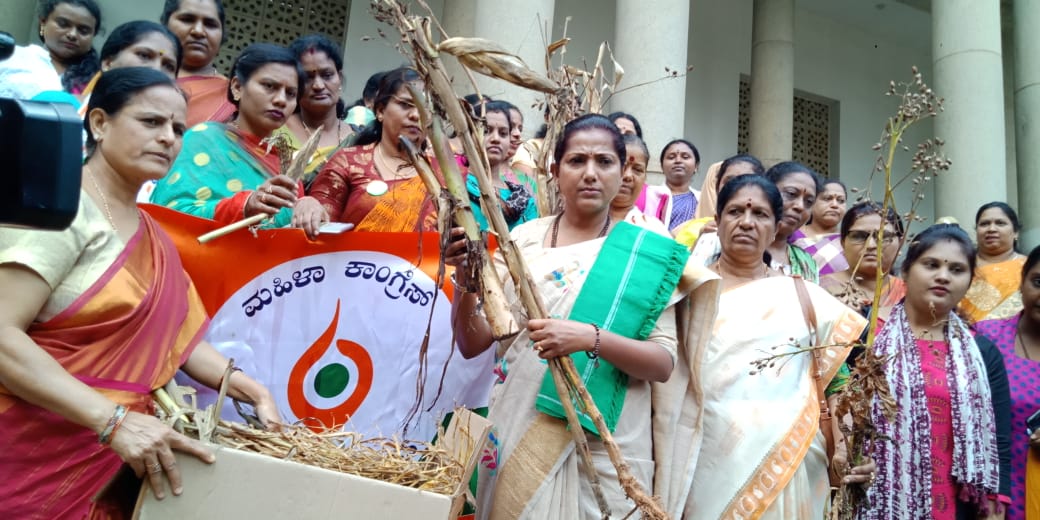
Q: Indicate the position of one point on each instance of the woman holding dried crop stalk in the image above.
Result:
(373, 184)
(515, 189)
(994, 291)
(1018, 339)
(227, 172)
(98, 316)
(942, 445)
(533, 470)
(766, 445)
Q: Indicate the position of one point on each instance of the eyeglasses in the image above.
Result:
(860, 237)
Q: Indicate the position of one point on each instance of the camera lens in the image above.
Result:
(6, 45)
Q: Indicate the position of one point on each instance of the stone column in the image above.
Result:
(459, 19)
(968, 72)
(1027, 117)
(772, 81)
(18, 17)
(517, 26)
(649, 36)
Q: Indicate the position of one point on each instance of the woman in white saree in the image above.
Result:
(611, 289)
(764, 454)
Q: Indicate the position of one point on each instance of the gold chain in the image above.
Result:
(104, 200)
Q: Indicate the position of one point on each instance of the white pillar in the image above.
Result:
(18, 17)
(517, 26)
(1007, 50)
(1027, 117)
(651, 35)
(969, 75)
(459, 19)
(772, 81)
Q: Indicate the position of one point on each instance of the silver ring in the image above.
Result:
(155, 468)
(263, 197)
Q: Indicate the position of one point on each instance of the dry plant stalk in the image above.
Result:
(417, 37)
(292, 167)
(869, 382)
(407, 463)
(454, 201)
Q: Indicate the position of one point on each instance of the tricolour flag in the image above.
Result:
(334, 327)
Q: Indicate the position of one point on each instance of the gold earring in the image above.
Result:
(236, 96)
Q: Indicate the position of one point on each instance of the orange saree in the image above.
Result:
(342, 188)
(125, 336)
(207, 99)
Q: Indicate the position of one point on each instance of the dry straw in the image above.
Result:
(412, 464)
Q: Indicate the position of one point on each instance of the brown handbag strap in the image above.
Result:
(809, 312)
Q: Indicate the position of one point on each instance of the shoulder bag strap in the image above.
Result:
(809, 312)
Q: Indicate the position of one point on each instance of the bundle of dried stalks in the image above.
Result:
(408, 463)
(418, 43)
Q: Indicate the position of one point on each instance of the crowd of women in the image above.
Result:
(666, 297)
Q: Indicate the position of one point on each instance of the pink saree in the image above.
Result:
(127, 335)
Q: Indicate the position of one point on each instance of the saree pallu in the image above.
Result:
(763, 454)
(655, 201)
(216, 172)
(207, 99)
(342, 189)
(534, 471)
(127, 335)
(993, 294)
(826, 251)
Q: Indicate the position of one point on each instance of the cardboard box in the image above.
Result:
(253, 486)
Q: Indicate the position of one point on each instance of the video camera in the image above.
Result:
(41, 152)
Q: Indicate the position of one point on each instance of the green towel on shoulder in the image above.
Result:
(625, 292)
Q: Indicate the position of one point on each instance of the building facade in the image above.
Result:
(782, 79)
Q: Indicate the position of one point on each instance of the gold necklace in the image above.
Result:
(310, 132)
(104, 201)
(403, 171)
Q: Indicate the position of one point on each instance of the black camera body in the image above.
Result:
(41, 158)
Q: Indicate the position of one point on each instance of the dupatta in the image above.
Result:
(215, 172)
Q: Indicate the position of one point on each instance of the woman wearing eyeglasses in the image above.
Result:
(372, 184)
(859, 234)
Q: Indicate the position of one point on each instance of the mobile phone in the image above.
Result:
(1033, 422)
